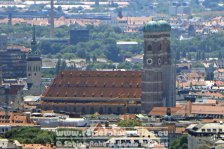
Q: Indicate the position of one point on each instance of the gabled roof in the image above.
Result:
(95, 84)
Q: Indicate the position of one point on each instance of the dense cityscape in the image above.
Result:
(99, 74)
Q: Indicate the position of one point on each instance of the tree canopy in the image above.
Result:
(30, 135)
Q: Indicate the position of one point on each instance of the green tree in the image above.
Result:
(180, 143)
(129, 123)
(94, 58)
(88, 58)
(81, 53)
(125, 65)
(30, 135)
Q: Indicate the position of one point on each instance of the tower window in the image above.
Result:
(149, 47)
(159, 61)
(149, 61)
(159, 47)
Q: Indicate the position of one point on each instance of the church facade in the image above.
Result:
(118, 92)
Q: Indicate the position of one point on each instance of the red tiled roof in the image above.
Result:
(127, 116)
(37, 146)
(196, 109)
(106, 84)
(161, 111)
(12, 118)
(204, 109)
(22, 48)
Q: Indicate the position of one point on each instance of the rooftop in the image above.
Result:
(106, 84)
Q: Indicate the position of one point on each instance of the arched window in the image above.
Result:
(149, 47)
(159, 47)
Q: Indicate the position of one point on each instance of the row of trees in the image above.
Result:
(200, 47)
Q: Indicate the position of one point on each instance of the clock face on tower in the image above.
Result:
(149, 61)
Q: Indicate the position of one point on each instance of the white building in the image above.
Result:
(204, 135)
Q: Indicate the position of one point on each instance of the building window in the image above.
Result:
(149, 47)
(109, 110)
(83, 110)
(118, 110)
(128, 110)
(203, 130)
(220, 130)
(159, 47)
(159, 61)
(208, 130)
(214, 130)
(136, 110)
(91, 110)
(101, 110)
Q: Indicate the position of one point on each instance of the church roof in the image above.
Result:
(96, 84)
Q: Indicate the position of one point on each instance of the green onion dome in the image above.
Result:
(157, 26)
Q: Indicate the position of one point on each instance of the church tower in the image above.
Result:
(34, 64)
(158, 79)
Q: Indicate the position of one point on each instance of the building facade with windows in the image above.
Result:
(13, 61)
